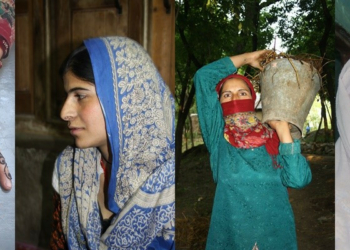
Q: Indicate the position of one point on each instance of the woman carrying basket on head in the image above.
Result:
(252, 163)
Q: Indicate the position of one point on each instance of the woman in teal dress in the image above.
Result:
(252, 163)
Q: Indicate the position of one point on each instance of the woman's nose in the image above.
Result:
(67, 111)
(234, 97)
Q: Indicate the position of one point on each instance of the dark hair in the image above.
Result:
(79, 63)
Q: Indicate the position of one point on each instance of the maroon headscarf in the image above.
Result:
(245, 136)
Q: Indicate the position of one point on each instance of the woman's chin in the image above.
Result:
(82, 145)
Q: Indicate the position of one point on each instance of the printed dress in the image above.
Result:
(139, 113)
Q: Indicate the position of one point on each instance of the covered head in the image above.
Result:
(236, 76)
(138, 109)
(237, 106)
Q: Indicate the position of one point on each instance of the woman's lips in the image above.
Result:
(74, 130)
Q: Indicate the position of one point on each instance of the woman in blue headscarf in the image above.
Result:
(116, 185)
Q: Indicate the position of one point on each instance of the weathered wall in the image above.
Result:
(35, 158)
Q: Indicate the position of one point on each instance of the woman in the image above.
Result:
(116, 186)
(251, 167)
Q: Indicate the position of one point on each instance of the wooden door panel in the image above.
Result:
(24, 54)
(95, 23)
(78, 20)
(162, 42)
(51, 30)
(81, 4)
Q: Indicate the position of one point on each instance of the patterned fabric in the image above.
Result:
(7, 25)
(251, 205)
(244, 130)
(139, 113)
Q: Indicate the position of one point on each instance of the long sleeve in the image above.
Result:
(296, 171)
(208, 105)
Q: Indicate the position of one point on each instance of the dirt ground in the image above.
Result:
(313, 206)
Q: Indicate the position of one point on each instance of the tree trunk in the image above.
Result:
(191, 129)
(328, 25)
(318, 130)
(178, 132)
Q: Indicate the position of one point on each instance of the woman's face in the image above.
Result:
(82, 111)
(234, 89)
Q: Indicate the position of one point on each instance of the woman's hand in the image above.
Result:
(283, 130)
(1, 54)
(251, 58)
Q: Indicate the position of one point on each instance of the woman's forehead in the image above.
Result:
(235, 83)
(71, 81)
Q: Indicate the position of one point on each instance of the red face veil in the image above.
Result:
(237, 106)
(242, 128)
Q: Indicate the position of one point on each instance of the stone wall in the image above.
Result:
(35, 158)
(317, 148)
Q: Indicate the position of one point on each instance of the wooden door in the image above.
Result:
(24, 57)
(48, 31)
(76, 20)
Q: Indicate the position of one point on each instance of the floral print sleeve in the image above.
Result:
(7, 25)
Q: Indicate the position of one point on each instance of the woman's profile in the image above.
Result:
(115, 187)
(252, 163)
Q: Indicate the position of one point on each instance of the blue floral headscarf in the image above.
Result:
(139, 113)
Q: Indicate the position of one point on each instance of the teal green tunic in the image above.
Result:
(251, 202)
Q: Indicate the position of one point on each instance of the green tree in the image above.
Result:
(207, 30)
(311, 31)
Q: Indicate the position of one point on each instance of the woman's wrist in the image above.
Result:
(282, 129)
(251, 58)
(240, 60)
(283, 132)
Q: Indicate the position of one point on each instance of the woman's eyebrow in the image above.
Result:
(77, 88)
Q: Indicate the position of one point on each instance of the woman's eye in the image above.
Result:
(227, 95)
(80, 97)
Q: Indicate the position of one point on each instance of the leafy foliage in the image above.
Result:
(207, 30)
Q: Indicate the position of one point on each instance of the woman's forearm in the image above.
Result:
(251, 58)
(282, 130)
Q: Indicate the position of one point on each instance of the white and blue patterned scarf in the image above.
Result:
(139, 112)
